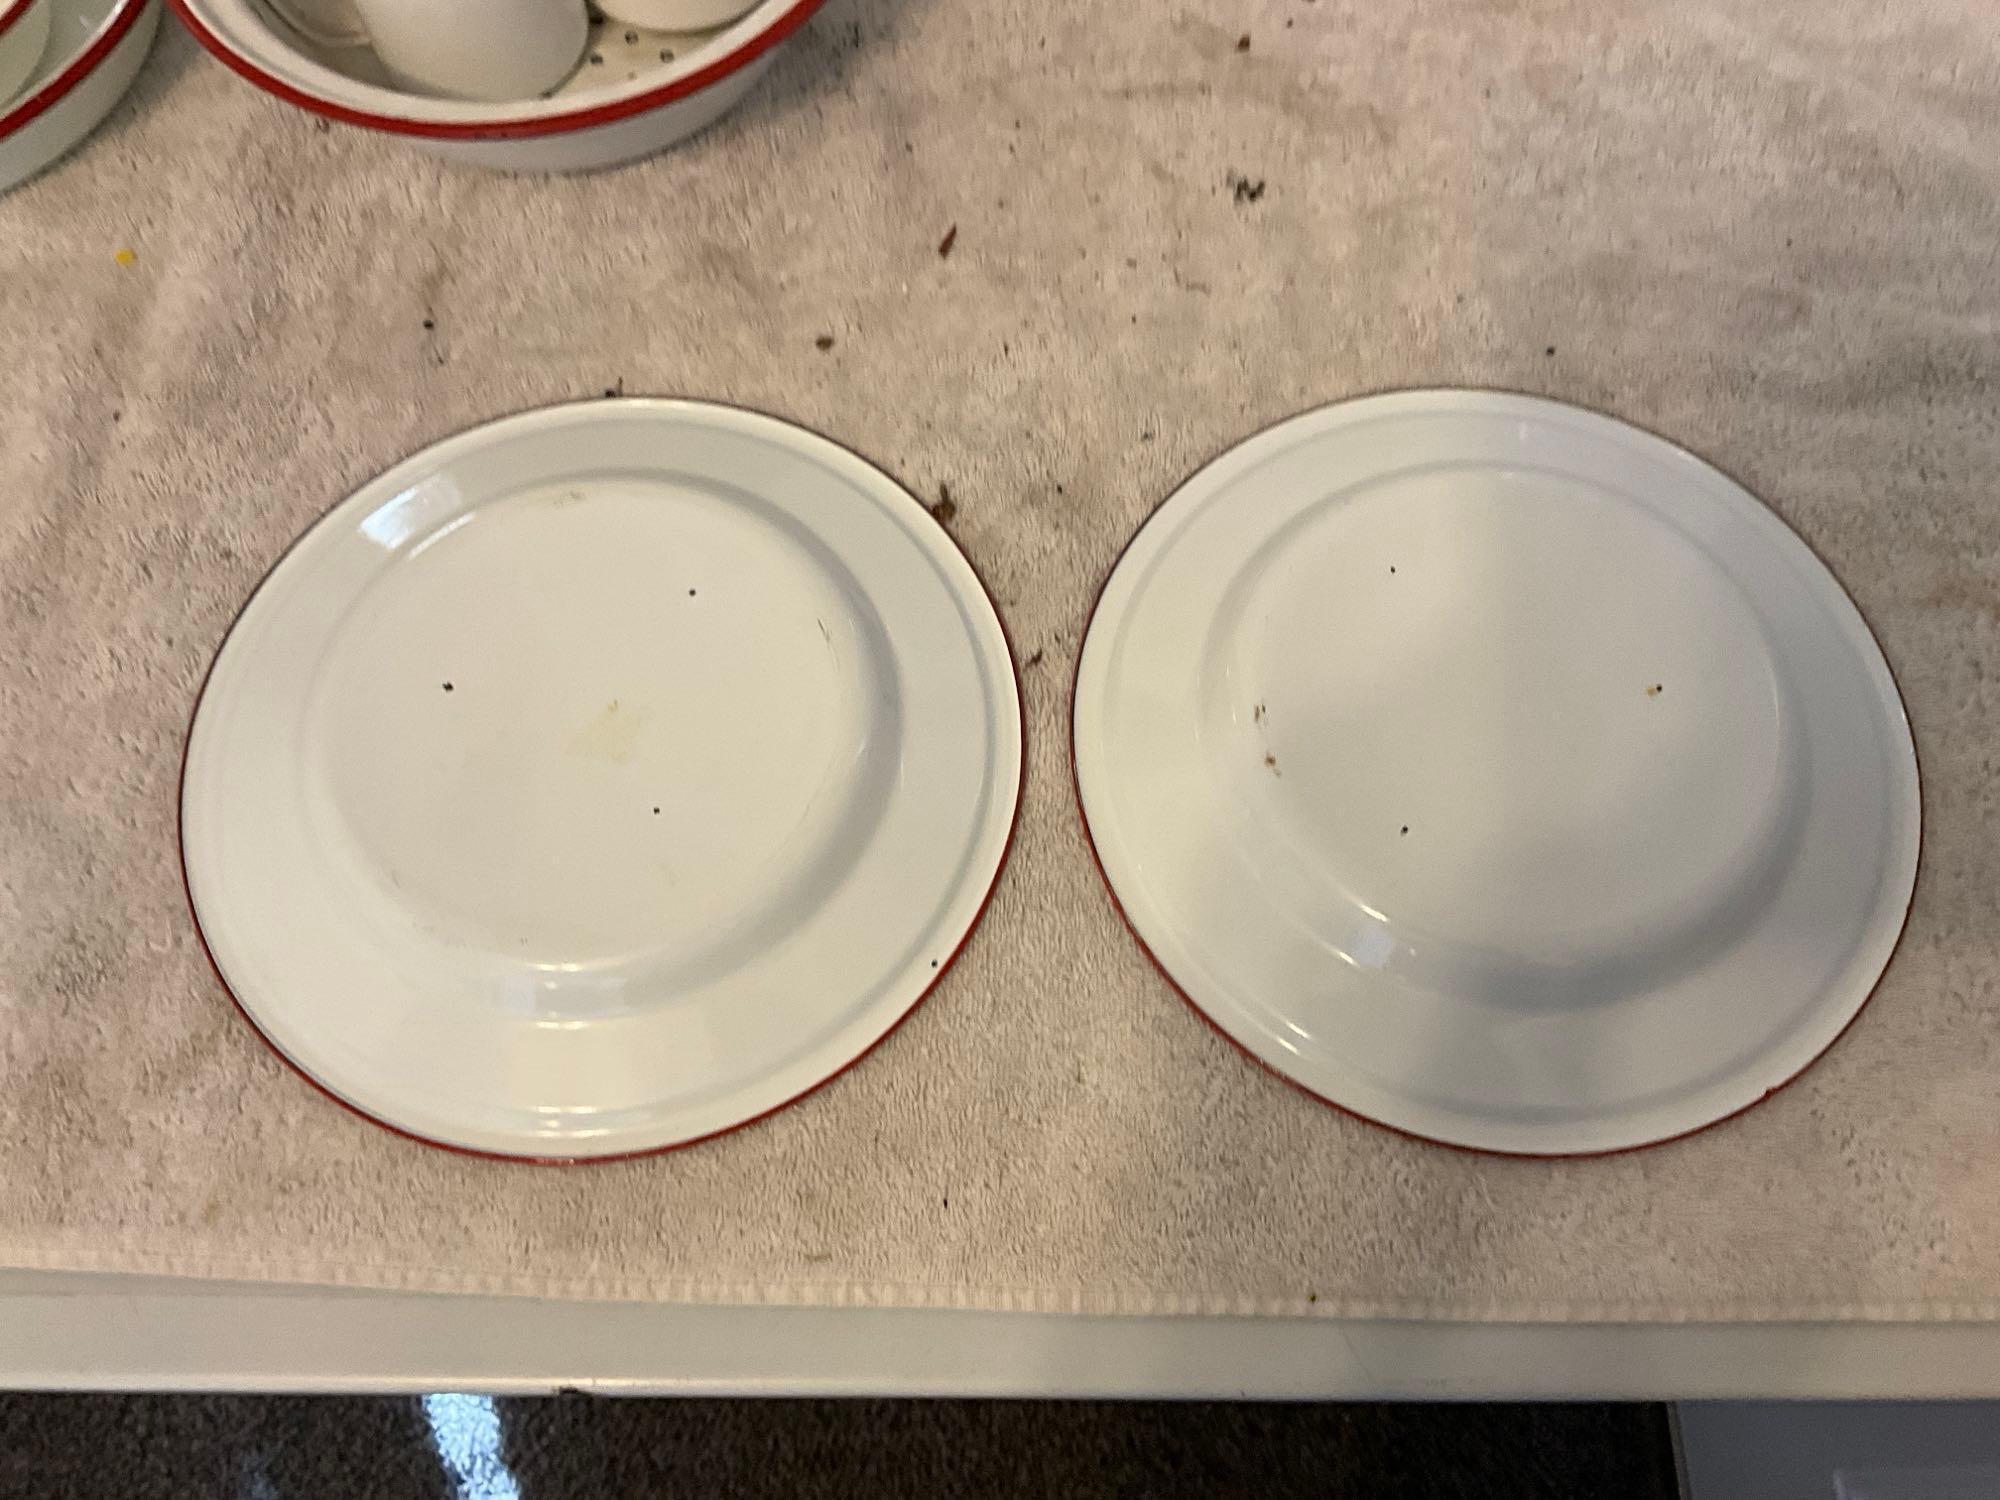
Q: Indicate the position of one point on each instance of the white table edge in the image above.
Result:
(129, 1333)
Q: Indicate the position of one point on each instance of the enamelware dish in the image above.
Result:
(1497, 771)
(601, 779)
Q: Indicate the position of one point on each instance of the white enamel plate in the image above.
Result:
(601, 779)
(1498, 772)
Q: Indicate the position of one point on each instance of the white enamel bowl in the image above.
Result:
(636, 93)
(90, 55)
(1498, 772)
(601, 779)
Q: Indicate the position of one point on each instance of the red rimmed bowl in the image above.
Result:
(637, 92)
(88, 59)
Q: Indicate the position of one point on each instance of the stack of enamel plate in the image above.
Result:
(1498, 772)
(64, 64)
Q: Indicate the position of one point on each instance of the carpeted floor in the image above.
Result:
(305, 1448)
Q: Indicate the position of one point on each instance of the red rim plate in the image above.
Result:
(1083, 818)
(978, 916)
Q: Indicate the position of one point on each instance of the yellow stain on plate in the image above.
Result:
(127, 256)
(610, 734)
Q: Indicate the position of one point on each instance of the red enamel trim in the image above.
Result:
(1076, 790)
(788, 21)
(109, 35)
(9, 14)
(978, 917)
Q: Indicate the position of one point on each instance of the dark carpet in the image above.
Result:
(305, 1448)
